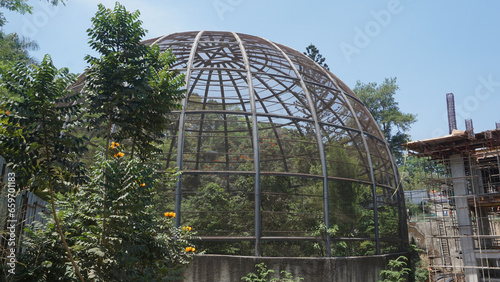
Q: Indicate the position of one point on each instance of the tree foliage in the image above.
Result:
(397, 271)
(130, 85)
(37, 131)
(37, 139)
(313, 53)
(380, 101)
(20, 6)
(143, 245)
(14, 49)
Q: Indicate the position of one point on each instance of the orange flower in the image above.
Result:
(143, 184)
(169, 214)
(187, 228)
(190, 249)
(119, 155)
(7, 112)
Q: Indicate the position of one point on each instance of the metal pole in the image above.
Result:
(452, 118)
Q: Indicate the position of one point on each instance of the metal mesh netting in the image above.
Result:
(275, 149)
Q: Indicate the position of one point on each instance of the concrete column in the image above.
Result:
(463, 216)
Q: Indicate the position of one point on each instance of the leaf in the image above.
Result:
(96, 251)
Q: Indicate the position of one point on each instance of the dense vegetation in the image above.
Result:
(106, 223)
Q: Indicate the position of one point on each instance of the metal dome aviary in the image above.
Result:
(275, 150)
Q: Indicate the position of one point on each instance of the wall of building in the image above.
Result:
(222, 268)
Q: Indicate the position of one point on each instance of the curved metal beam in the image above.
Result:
(180, 137)
(256, 153)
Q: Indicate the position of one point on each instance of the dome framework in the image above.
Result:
(275, 150)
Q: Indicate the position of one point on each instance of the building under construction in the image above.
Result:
(463, 240)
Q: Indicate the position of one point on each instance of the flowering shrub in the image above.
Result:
(141, 244)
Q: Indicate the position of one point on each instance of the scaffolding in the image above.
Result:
(461, 215)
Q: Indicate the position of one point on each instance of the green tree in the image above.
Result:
(380, 101)
(130, 85)
(313, 53)
(38, 142)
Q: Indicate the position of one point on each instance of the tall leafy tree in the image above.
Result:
(313, 53)
(380, 101)
(40, 147)
(130, 85)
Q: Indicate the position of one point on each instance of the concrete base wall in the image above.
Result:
(221, 268)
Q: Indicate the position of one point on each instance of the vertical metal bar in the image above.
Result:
(256, 153)
(368, 156)
(202, 121)
(452, 118)
(321, 148)
(469, 128)
(172, 142)
(226, 140)
(403, 228)
(375, 202)
(180, 137)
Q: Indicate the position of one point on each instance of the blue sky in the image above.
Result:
(432, 47)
